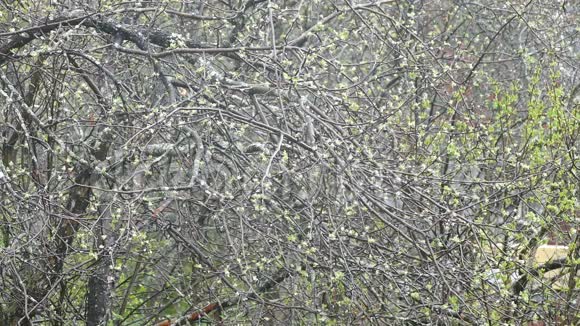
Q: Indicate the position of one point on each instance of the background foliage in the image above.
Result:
(300, 162)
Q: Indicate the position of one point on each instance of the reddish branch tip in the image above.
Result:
(209, 308)
(196, 315)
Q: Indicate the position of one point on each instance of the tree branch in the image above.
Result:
(279, 277)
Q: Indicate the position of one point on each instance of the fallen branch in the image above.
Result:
(520, 284)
